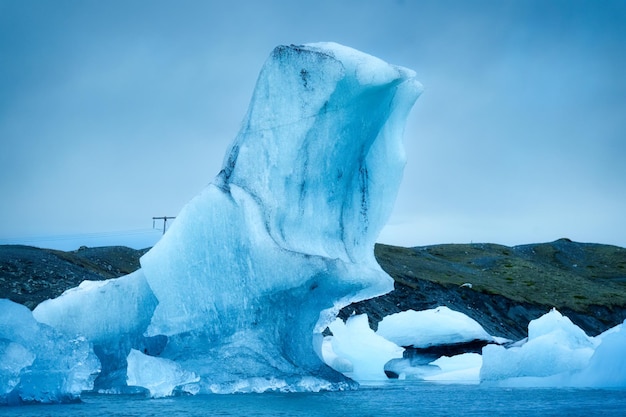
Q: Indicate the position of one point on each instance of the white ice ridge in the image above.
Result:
(437, 326)
(240, 288)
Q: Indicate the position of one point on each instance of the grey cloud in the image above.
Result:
(112, 112)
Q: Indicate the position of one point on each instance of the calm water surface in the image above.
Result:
(392, 399)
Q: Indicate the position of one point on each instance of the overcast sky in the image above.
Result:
(112, 112)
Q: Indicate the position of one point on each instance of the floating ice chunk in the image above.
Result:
(159, 376)
(39, 364)
(464, 368)
(555, 346)
(357, 351)
(607, 366)
(112, 314)
(439, 326)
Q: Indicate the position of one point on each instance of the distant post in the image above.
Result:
(165, 219)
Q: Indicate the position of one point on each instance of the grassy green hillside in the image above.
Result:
(561, 274)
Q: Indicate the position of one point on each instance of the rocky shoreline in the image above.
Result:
(501, 287)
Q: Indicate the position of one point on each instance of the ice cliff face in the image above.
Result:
(236, 294)
(320, 148)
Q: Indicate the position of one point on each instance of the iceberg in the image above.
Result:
(235, 296)
(258, 265)
(557, 353)
(554, 345)
(357, 351)
(607, 365)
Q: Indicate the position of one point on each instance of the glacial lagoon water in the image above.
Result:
(395, 398)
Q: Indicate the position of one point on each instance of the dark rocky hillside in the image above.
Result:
(30, 275)
(501, 287)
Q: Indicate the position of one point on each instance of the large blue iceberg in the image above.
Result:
(235, 296)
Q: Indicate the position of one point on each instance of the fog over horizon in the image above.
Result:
(114, 112)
